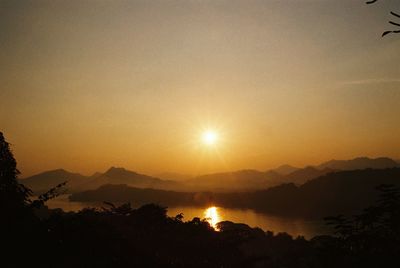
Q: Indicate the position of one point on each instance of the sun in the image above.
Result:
(210, 137)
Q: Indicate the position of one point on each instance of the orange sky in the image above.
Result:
(91, 84)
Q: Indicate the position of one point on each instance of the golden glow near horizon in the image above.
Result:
(210, 137)
(137, 83)
(212, 216)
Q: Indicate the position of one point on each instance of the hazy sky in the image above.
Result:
(90, 84)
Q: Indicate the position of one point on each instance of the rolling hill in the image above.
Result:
(236, 181)
(44, 181)
(76, 182)
(360, 163)
(343, 192)
(285, 169)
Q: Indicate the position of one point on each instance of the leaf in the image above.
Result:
(385, 33)
(395, 14)
(394, 23)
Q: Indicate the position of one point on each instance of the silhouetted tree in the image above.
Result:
(14, 197)
(391, 22)
(373, 235)
(18, 225)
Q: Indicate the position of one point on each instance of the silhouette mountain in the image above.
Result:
(236, 181)
(116, 175)
(77, 182)
(242, 180)
(173, 176)
(119, 175)
(43, 181)
(285, 169)
(249, 179)
(360, 163)
(302, 175)
(343, 192)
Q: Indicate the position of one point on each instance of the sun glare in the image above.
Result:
(209, 137)
(212, 216)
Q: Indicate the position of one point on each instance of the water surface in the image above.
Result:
(295, 227)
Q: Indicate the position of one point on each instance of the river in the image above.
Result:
(294, 227)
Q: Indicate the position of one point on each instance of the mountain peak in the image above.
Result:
(307, 168)
(48, 179)
(55, 170)
(285, 169)
(58, 171)
(115, 169)
(119, 171)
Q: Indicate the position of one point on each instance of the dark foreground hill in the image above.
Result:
(342, 192)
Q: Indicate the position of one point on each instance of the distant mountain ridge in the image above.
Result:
(244, 180)
(44, 181)
(342, 192)
(285, 169)
(173, 176)
(119, 175)
(249, 179)
(241, 181)
(303, 175)
(77, 182)
(360, 163)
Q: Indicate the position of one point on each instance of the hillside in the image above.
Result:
(302, 175)
(343, 192)
(360, 163)
(77, 182)
(285, 169)
(44, 181)
(235, 181)
(122, 176)
(242, 180)
(122, 193)
(250, 180)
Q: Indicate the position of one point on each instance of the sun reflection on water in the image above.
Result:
(212, 216)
